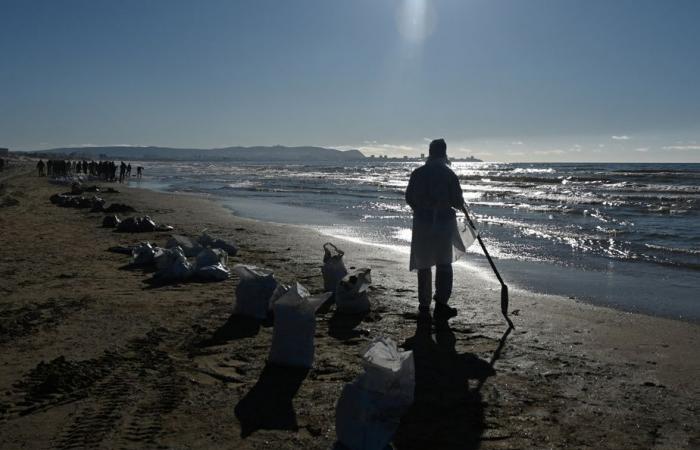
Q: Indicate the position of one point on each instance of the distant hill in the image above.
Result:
(275, 153)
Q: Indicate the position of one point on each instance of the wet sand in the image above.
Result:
(94, 356)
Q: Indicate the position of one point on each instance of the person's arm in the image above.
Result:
(456, 196)
(410, 190)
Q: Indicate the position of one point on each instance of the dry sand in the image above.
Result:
(93, 356)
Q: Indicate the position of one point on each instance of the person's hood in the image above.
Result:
(438, 160)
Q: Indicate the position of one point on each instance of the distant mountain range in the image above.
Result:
(274, 153)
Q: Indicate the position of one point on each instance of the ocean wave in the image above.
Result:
(688, 251)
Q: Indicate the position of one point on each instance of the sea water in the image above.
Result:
(621, 235)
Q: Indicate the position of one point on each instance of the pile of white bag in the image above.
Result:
(172, 265)
(369, 410)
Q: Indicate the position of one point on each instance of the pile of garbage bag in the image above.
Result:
(190, 247)
(212, 242)
(118, 208)
(68, 180)
(74, 201)
(171, 264)
(140, 225)
(111, 221)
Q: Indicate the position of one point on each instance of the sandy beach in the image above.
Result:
(94, 356)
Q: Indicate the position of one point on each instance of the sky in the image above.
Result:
(503, 80)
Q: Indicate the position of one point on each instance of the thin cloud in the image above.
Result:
(682, 148)
(624, 137)
(549, 152)
(642, 149)
(517, 143)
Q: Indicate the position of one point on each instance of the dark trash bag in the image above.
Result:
(209, 241)
(333, 269)
(189, 246)
(137, 225)
(110, 221)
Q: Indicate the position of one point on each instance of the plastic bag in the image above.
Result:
(110, 221)
(229, 247)
(388, 370)
(210, 257)
(295, 327)
(253, 291)
(214, 272)
(369, 410)
(280, 290)
(143, 254)
(351, 296)
(190, 247)
(136, 224)
(467, 235)
(172, 265)
(333, 269)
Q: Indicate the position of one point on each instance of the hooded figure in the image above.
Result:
(434, 193)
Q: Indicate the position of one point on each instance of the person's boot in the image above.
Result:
(444, 312)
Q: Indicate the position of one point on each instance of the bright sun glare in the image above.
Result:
(416, 20)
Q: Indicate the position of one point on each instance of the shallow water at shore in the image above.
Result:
(613, 234)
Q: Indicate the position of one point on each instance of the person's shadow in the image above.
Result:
(447, 411)
(268, 405)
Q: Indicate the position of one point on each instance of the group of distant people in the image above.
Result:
(104, 170)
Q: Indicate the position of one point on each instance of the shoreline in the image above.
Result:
(566, 290)
(570, 375)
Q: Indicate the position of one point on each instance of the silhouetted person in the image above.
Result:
(40, 168)
(433, 194)
(128, 170)
(139, 172)
(122, 172)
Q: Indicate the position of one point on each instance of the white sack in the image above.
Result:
(295, 327)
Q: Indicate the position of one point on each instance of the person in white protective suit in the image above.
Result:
(434, 193)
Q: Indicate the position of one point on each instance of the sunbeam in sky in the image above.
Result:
(416, 20)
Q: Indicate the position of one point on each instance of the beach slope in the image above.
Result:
(93, 355)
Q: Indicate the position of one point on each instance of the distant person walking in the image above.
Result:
(139, 172)
(40, 168)
(434, 193)
(122, 172)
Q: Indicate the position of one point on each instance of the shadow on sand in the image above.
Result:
(236, 327)
(268, 405)
(448, 411)
(342, 326)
